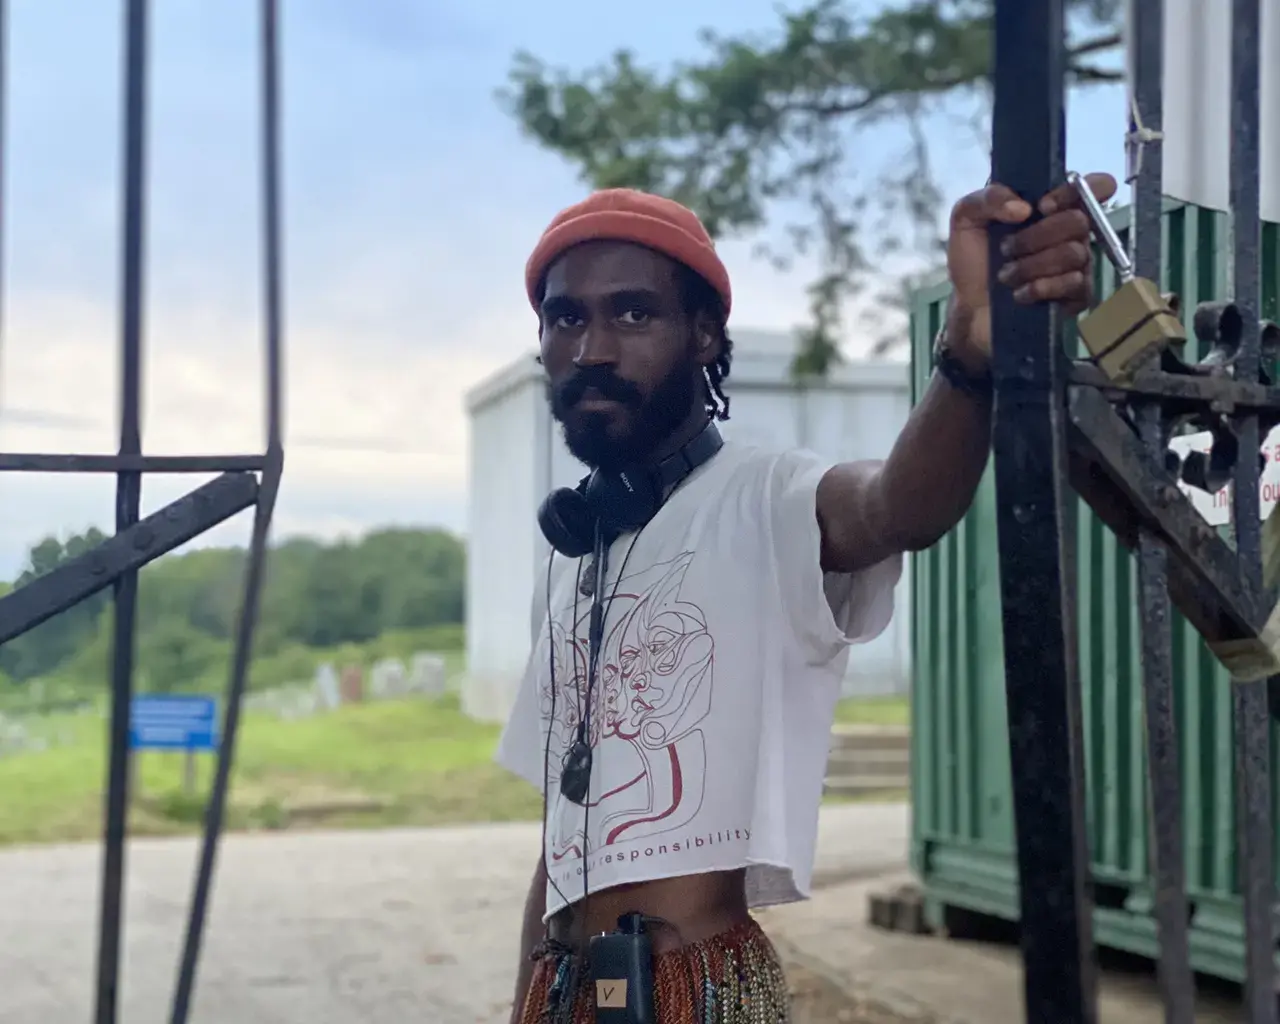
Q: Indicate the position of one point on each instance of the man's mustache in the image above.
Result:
(599, 379)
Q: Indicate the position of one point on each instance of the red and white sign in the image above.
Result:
(1216, 508)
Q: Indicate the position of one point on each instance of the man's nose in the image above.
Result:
(597, 347)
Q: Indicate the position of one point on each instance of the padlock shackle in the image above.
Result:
(1102, 228)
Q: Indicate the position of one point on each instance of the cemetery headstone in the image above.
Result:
(352, 684)
(426, 674)
(326, 687)
(387, 679)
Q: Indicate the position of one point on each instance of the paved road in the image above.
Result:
(315, 928)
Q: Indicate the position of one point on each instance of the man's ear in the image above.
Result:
(707, 337)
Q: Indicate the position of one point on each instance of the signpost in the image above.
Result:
(175, 722)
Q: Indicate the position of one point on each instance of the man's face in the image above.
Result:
(622, 356)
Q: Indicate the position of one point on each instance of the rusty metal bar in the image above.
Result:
(1249, 700)
(1036, 542)
(1184, 392)
(1164, 773)
(128, 499)
(1233, 608)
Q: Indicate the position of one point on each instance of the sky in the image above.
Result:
(411, 202)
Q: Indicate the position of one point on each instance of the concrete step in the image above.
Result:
(855, 785)
(854, 761)
(870, 737)
(868, 759)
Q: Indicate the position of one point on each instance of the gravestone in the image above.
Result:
(325, 686)
(387, 679)
(426, 674)
(351, 684)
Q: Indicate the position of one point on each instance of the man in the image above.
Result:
(680, 733)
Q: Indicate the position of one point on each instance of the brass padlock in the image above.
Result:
(1128, 328)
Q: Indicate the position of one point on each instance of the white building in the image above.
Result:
(517, 457)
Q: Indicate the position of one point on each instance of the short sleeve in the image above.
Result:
(520, 748)
(827, 611)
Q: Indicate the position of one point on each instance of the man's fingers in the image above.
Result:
(1103, 187)
(1067, 226)
(994, 203)
(1069, 286)
(1001, 204)
(1062, 259)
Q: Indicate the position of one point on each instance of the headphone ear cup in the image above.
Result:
(567, 522)
(624, 501)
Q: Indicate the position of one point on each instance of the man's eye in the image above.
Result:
(634, 317)
(568, 321)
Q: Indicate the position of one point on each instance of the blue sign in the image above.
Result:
(173, 722)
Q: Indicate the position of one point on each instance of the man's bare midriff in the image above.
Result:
(698, 906)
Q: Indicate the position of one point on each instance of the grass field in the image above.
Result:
(404, 762)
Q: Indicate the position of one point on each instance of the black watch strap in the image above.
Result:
(950, 369)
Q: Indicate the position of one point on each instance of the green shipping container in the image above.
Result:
(962, 829)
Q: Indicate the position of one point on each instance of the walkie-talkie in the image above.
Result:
(622, 972)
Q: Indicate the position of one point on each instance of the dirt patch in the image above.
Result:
(815, 1000)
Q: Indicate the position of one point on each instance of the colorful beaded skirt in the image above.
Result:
(731, 978)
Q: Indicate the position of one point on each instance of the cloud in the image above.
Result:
(411, 202)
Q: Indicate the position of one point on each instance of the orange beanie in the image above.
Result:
(625, 215)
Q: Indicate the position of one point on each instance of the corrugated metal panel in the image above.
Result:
(963, 841)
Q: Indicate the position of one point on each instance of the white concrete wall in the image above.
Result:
(518, 456)
(1197, 103)
(505, 484)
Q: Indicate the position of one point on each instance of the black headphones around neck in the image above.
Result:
(620, 501)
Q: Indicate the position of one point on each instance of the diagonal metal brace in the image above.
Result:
(145, 541)
(1127, 485)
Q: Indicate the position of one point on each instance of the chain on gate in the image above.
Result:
(244, 482)
(1101, 426)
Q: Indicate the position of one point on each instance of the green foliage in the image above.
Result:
(763, 125)
(393, 592)
(53, 642)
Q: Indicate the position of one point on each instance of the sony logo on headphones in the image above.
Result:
(626, 483)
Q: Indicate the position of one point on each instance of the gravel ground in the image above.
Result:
(817, 1001)
(321, 928)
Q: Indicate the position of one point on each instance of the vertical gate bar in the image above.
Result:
(1036, 551)
(1177, 983)
(272, 246)
(1249, 700)
(254, 572)
(4, 160)
(128, 497)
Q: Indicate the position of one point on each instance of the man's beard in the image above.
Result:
(653, 421)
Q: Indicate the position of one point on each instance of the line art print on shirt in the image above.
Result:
(653, 691)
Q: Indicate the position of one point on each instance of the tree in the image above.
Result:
(316, 595)
(769, 124)
(52, 642)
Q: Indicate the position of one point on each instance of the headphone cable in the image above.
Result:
(546, 751)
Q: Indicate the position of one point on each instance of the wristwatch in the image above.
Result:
(950, 369)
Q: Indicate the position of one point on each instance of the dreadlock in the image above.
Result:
(701, 299)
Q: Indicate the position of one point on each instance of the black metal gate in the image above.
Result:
(245, 481)
(1076, 424)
